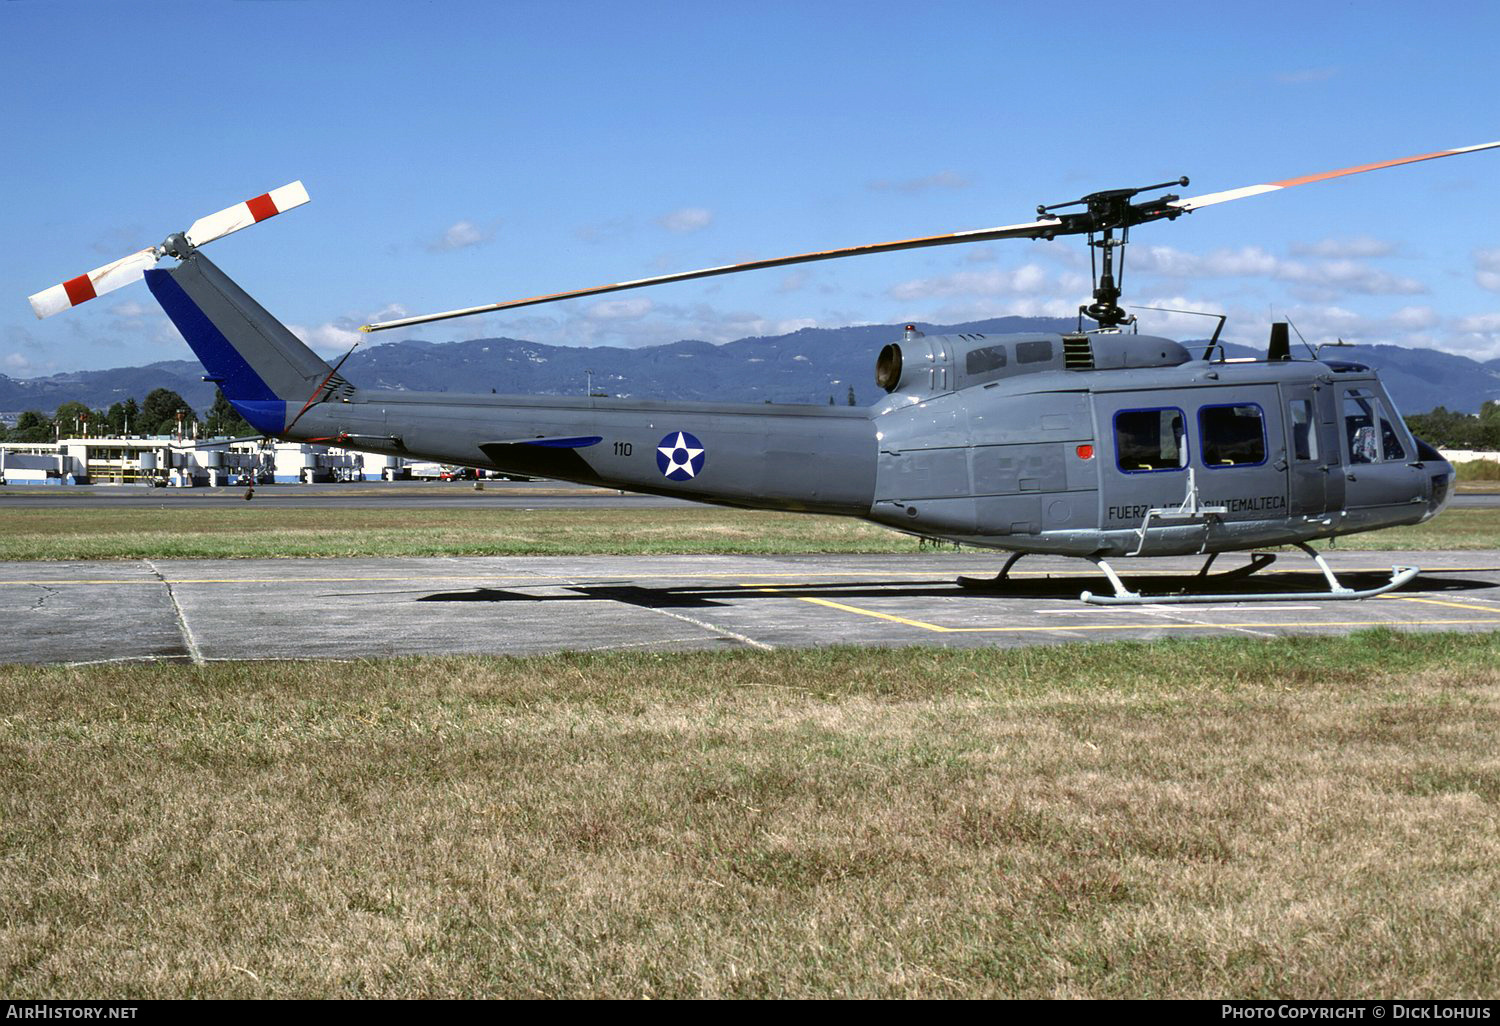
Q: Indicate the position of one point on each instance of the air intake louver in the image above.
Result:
(1078, 352)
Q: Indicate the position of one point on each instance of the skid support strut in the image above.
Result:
(1123, 596)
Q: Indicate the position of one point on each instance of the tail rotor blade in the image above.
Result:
(132, 268)
(243, 215)
(96, 283)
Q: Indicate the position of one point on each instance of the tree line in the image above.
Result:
(156, 416)
(1448, 429)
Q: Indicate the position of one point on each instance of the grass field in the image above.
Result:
(1307, 817)
(267, 531)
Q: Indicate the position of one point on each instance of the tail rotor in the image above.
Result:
(133, 268)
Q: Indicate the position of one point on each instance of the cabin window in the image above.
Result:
(982, 361)
(1033, 352)
(1233, 435)
(1370, 429)
(1150, 440)
(1304, 430)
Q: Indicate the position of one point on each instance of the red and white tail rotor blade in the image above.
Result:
(132, 268)
(243, 215)
(96, 283)
(1209, 199)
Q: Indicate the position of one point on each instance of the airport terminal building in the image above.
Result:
(189, 463)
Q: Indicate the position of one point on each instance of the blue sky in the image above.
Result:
(461, 153)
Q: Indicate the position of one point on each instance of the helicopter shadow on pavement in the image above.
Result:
(1062, 587)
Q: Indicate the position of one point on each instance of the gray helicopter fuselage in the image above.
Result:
(1103, 444)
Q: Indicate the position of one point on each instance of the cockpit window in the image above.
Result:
(1233, 435)
(1370, 428)
(1150, 440)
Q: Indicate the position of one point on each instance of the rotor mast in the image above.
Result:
(1105, 213)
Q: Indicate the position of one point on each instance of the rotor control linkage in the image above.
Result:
(1104, 213)
(1112, 208)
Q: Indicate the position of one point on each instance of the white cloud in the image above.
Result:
(1415, 318)
(619, 310)
(1479, 322)
(129, 318)
(1359, 247)
(1487, 269)
(938, 180)
(796, 281)
(338, 336)
(686, 219)
(1478, 337)
(1025, 279)
(131, 309)
(1315, 280)
(389, 312)
(605, 231)
(329, 337)
(462, 235)
(1221, 263)
(17, 362)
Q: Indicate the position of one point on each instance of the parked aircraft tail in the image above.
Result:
(265, 371)
(269, 376)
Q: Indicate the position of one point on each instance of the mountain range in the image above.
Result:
(807, 366)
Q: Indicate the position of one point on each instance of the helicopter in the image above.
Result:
(1097, 443)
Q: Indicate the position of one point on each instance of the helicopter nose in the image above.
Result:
(1443, 476)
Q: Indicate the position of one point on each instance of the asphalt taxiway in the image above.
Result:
(201, 610)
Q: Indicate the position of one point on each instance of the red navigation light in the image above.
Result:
(1085, 452)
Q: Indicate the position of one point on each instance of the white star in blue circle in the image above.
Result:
(680, 457)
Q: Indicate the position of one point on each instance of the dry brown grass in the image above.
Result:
(1218, 817)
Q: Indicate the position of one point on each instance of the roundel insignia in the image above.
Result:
(680, 456)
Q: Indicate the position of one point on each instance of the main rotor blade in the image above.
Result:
(1030, 230)
(1209, 199)
(96, 283)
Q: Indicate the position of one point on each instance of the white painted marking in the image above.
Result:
(187, 632)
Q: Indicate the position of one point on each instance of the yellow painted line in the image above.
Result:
(1150, 625)
(870, 612)
(1292, 625)
(1440, 602)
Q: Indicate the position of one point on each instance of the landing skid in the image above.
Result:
(1123, 596)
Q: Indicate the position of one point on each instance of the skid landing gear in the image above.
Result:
(1123, 596)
